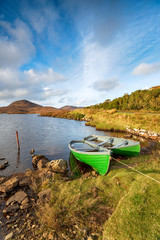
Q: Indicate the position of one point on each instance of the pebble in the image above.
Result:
(50, 236)
(90, 238)
(9, 236)
(45, 235)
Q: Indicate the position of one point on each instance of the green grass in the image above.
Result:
(121, 205)
(112, 120)
(137, 215)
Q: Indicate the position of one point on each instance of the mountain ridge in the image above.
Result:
(28, 107)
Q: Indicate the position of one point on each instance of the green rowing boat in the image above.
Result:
(96, 150)
(119, 146)
(97, 157)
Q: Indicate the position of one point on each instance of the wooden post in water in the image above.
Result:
(18, 146)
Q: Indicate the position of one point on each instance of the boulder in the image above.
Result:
(35, 161)
(17, 197)
(59, 165)
(37, 158)
(25, 181)
(44, 196)
(42, 163)
(9, 185)
(45, 173)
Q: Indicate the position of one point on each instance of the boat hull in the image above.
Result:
(130, 151)
(99, 162)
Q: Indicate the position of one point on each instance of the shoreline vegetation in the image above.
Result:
(47, 203)
(137, 123)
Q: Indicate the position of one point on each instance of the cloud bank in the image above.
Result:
(145, 69)
(106, 85)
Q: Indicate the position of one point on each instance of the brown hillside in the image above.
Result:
(24, 104)
(69, 108)
(25, 107)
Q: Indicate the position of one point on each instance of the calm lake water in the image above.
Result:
(48, 136)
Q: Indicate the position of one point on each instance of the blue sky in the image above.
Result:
(77, 52)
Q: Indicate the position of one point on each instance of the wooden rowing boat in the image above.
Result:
(96, 150)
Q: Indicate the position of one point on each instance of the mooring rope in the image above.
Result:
(136, 170)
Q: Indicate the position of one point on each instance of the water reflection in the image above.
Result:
(18, 159)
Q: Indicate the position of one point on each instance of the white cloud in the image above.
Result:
(11, 94)
(50, 92)
(145, 69)
(16, 47)
(106, 85)
(48, 76)
(96, 62)
(30, 84)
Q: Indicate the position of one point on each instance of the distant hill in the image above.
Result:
(27, 107)
(139, 100)
(24, 107)
(69, 108)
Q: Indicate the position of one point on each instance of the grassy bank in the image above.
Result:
(121, 205)
(112, 119)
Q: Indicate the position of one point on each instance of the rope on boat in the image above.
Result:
(135, 170)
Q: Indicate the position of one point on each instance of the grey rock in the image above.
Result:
(42, 163)
(25, 201)
(26, 181)
(37, 158)
(9, 185)
(25, 204)
(12, 208)
(17, 197)
(59, 165)
(44, 196)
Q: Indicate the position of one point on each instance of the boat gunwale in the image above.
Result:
(100, 150)
(131, 142)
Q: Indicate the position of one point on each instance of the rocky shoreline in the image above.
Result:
(151, 135)
(22, 194)
(20, 197)
(132, 132)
